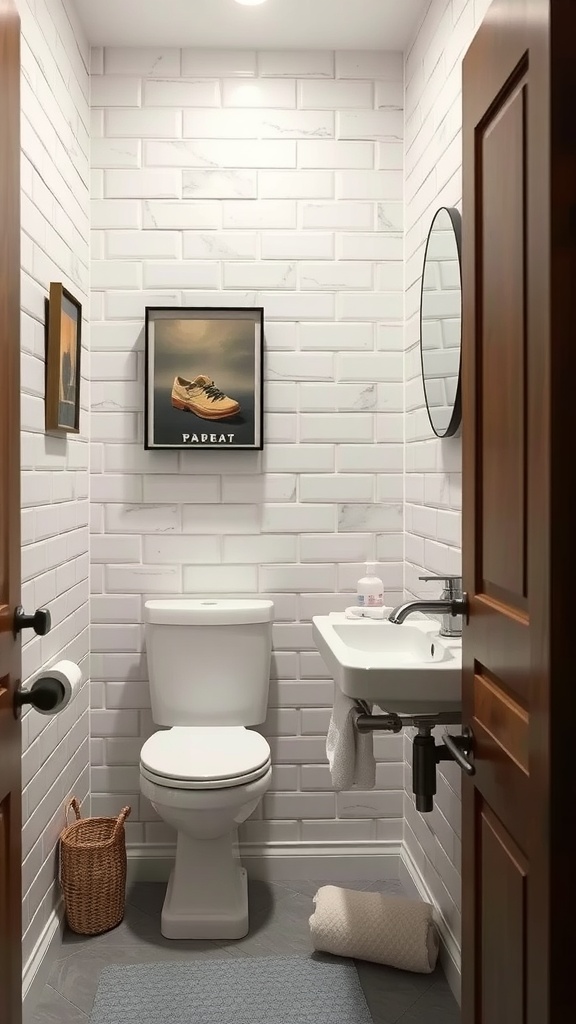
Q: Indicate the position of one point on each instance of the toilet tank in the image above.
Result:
(209, 661)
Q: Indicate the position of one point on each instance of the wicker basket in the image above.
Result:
(93, 871)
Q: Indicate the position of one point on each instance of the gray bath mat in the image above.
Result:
(270, 990)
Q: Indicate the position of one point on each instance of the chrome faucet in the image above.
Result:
(452, 605)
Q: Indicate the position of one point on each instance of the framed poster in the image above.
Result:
(203, 378)
(63, 349)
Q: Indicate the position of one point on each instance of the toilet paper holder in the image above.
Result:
(51, 690)
(45, 694)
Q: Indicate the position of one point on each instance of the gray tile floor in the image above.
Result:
(279, 927)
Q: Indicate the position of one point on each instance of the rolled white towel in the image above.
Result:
(350, 753)
(375, 926)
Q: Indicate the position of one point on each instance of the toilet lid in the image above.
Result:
(205, 754)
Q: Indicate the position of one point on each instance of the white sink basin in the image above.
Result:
(406, 669)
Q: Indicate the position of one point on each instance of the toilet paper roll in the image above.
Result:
(374, 926)
(68, 675)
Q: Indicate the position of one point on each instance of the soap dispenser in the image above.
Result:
(370, 589)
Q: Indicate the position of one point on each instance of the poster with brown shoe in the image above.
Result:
(204, 378)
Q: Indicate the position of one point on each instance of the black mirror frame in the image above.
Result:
(456, 417)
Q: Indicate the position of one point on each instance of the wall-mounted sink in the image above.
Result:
(406, 669)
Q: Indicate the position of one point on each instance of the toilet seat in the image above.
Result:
(193, 784)
(204, 758)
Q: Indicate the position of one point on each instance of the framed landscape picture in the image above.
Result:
(63, 348)
(203, 378)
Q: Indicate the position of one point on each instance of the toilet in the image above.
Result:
(209, 671)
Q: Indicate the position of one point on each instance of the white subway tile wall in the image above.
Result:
(55, 564)
(433, 178)
(228, 178)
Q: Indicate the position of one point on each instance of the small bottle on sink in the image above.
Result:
(370, 589)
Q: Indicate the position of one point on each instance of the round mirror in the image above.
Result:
(441, 322)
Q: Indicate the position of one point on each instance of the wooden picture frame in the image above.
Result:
(204, 380)
(63, 355)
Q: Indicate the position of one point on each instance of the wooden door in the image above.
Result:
(10, 745)
(519, 409)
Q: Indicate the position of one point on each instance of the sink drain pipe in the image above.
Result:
(427, 754)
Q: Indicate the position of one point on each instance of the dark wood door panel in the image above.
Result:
(506, 513)
(10, 957)
(501, 716)
(10, 744)
(503, 874)
(5, 966)
(502, 635)
(500, 189)
(503, 784)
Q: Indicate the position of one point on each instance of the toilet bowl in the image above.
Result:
(205, 782)
(205, 779)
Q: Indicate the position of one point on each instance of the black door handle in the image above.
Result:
(458, 748)
(40, 621)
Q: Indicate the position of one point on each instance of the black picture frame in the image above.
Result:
(63, 332)
(201, 365)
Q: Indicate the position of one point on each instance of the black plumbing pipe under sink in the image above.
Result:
(427, 754)
(424, 770)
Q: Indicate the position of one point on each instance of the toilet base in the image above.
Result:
(175, 925)
(207, 893)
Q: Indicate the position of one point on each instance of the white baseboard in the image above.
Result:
(39, 963)
(327, 862)
(450, 956)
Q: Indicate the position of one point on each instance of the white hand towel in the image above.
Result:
(350, 753)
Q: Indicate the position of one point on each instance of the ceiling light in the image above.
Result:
(250, 3)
